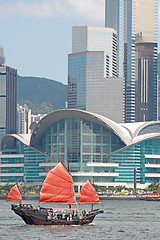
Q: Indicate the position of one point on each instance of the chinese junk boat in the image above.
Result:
(151, 196)
(57, 188)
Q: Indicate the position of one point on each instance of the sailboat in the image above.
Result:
(14, 194)
(58, 188)
(151, 196)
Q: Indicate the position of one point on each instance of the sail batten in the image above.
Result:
(58, 187)
(62, 177)
(88, 194)
(14, 195)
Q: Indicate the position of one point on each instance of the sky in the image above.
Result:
(37, 34)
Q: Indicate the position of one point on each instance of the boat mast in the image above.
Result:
(68, 165)
(68, 171)
(93, 185)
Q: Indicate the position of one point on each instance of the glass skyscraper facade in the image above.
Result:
(8, 100)
(115, 18)
(92, 73)
(136, 22)
(145, 157)
(2, 102)
(79, 141)
(21, 163)
(87, 38)
(91, 89)
(84, 69)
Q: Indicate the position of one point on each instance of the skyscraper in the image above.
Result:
(136, 22)
(92, 72)
(8, 98)
(23, 119)
(87, 38)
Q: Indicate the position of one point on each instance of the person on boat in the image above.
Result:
(22, 206)
(38, 208)
(29, 206)
(76, 215)
(84, 212)
(63, 215)
(54, 217)
(59, 216)
(70, 215)
(49, 217)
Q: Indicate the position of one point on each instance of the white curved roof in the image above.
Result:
(53, 117)
(144, 137)
(9, 139)
(127, 132)
(132, 127)
(136, 127)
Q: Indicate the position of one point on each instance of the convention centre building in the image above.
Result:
(93, 145)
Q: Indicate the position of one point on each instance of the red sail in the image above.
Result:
(58, 187)
(88, 194)
(14, 194)
(158, 189)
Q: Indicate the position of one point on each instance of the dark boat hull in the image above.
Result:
(33, 216)
(151, 197)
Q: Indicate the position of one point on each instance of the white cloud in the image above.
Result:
(89, 9)
(21, 8)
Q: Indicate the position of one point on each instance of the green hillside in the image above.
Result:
(42, 95)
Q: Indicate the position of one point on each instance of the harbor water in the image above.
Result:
(121, 220)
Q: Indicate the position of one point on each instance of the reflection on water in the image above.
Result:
(125, 220)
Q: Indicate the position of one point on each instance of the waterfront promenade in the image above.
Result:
(102, 197)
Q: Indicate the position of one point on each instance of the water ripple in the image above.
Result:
(123, 220)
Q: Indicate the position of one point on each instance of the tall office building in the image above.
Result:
(92, 73)
(136, 23)
(8, 98)
(87, 38)
(23, 119)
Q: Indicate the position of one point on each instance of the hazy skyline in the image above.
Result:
(37, 34)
